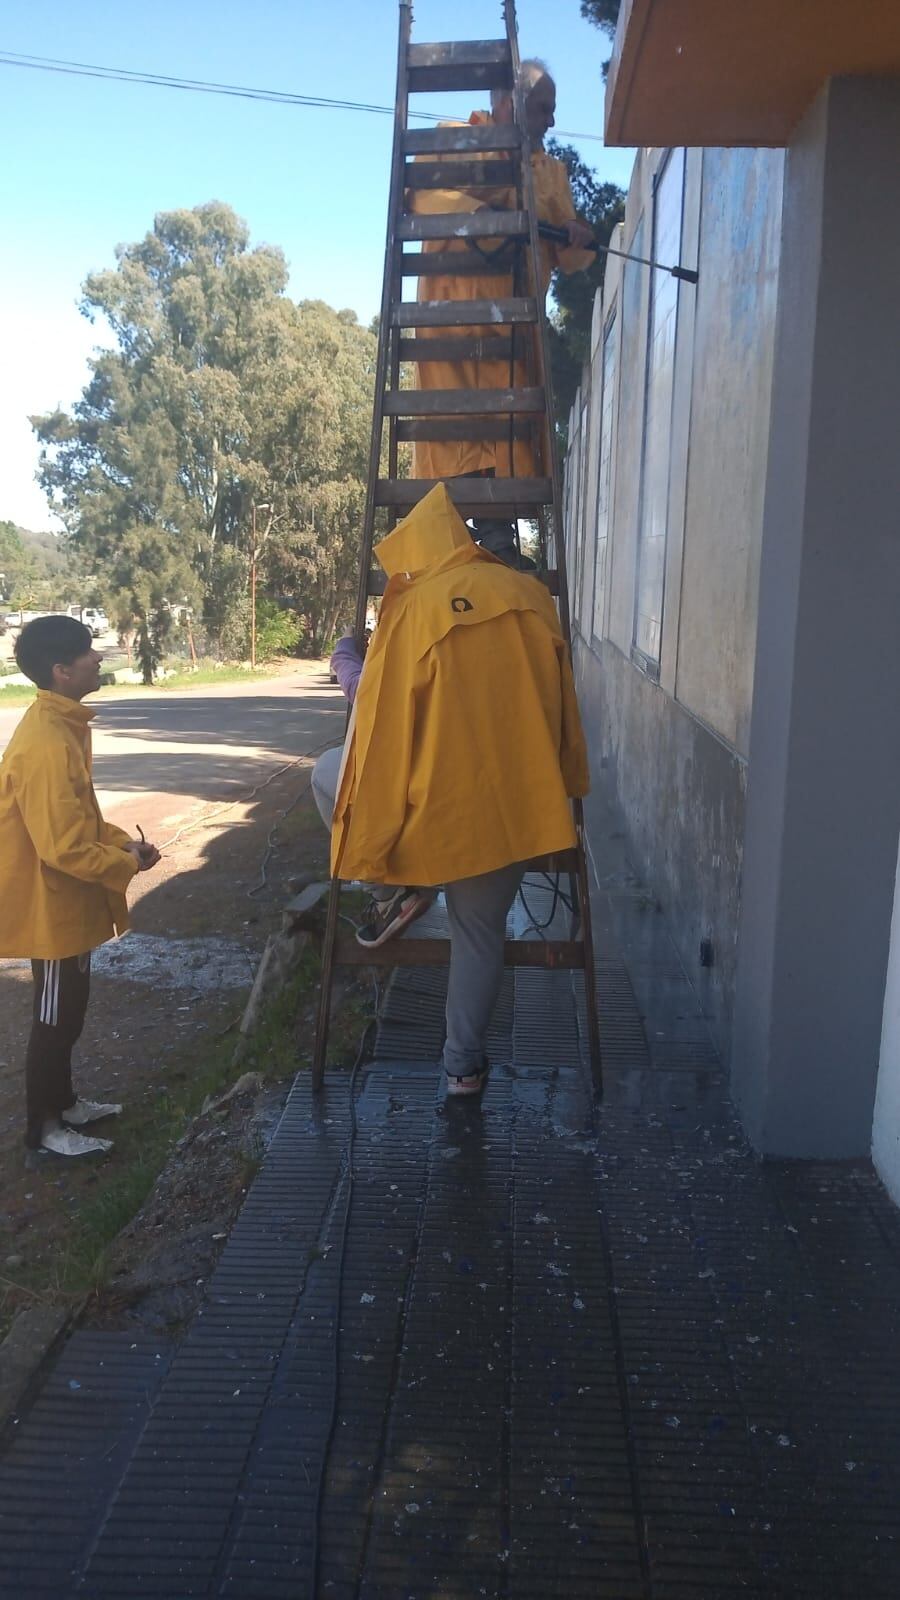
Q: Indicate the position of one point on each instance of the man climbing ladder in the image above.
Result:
(492, 368)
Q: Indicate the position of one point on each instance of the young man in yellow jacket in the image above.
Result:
(464, 749)
(63, 874)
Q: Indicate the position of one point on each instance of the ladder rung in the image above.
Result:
(463, 313)
(377, 585)
(459, 429)
(462, 348)
(454, 264)
(460, 174)
(556, 953)
(483, 224)
(508, 495)
(461, 402)
(462, 64)
(461, 140)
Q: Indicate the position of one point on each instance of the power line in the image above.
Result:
(156, 80)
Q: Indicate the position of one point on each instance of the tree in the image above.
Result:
(603, 206)
(220, 393)
(17, 567)
(320, 440)
(604, 14)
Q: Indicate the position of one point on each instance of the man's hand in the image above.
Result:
(145, 854)
(580, 235)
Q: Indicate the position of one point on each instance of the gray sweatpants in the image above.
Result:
(477, 908)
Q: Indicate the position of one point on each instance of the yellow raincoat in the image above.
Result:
(465, 739)
(63, 870)
(553, 199)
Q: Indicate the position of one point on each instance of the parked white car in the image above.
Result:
(96, 620)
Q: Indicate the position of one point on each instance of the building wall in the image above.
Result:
(681, 521)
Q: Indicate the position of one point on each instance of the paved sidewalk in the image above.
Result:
(584, 1352)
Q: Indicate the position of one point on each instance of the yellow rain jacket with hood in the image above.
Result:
(465, 739)
(63, 870)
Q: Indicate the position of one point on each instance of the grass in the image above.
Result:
(207, 674)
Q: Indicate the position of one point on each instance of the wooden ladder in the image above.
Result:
(464, 157)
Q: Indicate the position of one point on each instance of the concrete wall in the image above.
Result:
(886, 1125)
(730, 402)
(669, 738)
(823, 799)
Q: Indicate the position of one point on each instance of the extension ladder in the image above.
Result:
(464, 157)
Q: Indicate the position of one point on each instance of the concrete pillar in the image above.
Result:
(823, 801)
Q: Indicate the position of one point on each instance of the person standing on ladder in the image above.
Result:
(553, 200)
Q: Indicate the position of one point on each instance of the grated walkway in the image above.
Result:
(583, 1352)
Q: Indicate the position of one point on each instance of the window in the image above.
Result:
(585, 559)
(573, 518)
(604, 472)
(653, 520)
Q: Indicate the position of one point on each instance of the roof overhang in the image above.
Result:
(737, 72)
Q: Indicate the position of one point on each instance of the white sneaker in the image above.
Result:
(85, 1111)
(66, 1142)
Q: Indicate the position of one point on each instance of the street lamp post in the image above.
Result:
(254, 557)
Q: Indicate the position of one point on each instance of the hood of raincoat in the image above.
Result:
(433, 530)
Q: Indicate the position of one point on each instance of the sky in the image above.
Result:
(89, 163)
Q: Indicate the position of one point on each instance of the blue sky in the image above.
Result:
(93, 161)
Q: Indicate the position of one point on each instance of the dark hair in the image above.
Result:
(48, 642)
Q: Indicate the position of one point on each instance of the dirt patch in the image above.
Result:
(160, 1037)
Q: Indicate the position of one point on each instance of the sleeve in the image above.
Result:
(347, 664)
(115, 836)
(560, 210)
(61, 828)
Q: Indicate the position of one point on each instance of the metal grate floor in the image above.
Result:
(583, 1351)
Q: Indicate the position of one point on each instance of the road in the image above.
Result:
(160, 757)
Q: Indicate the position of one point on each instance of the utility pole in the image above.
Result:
(254, 557)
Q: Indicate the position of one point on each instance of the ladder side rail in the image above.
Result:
(509, 12)
(552, 466)
(391, 268)
(385, 331)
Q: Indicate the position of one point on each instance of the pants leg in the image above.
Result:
(477, 908)
(61, 990)
(324, 782)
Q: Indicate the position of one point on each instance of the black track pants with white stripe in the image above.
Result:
(61, 990)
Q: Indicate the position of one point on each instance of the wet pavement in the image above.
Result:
(585, 1350)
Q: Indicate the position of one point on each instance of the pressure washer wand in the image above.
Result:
(560, 236)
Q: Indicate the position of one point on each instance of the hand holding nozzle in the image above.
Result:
(564, 236)
(145, 853)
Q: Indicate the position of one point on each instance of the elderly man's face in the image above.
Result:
(540, 107)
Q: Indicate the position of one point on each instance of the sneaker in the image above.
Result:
(386, 918)
(469, 1082)
(85, 1111)
(67, 1142)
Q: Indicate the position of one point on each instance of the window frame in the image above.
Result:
(651, 664)
(607, 409)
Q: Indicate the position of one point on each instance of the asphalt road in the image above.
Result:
(159, 757)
